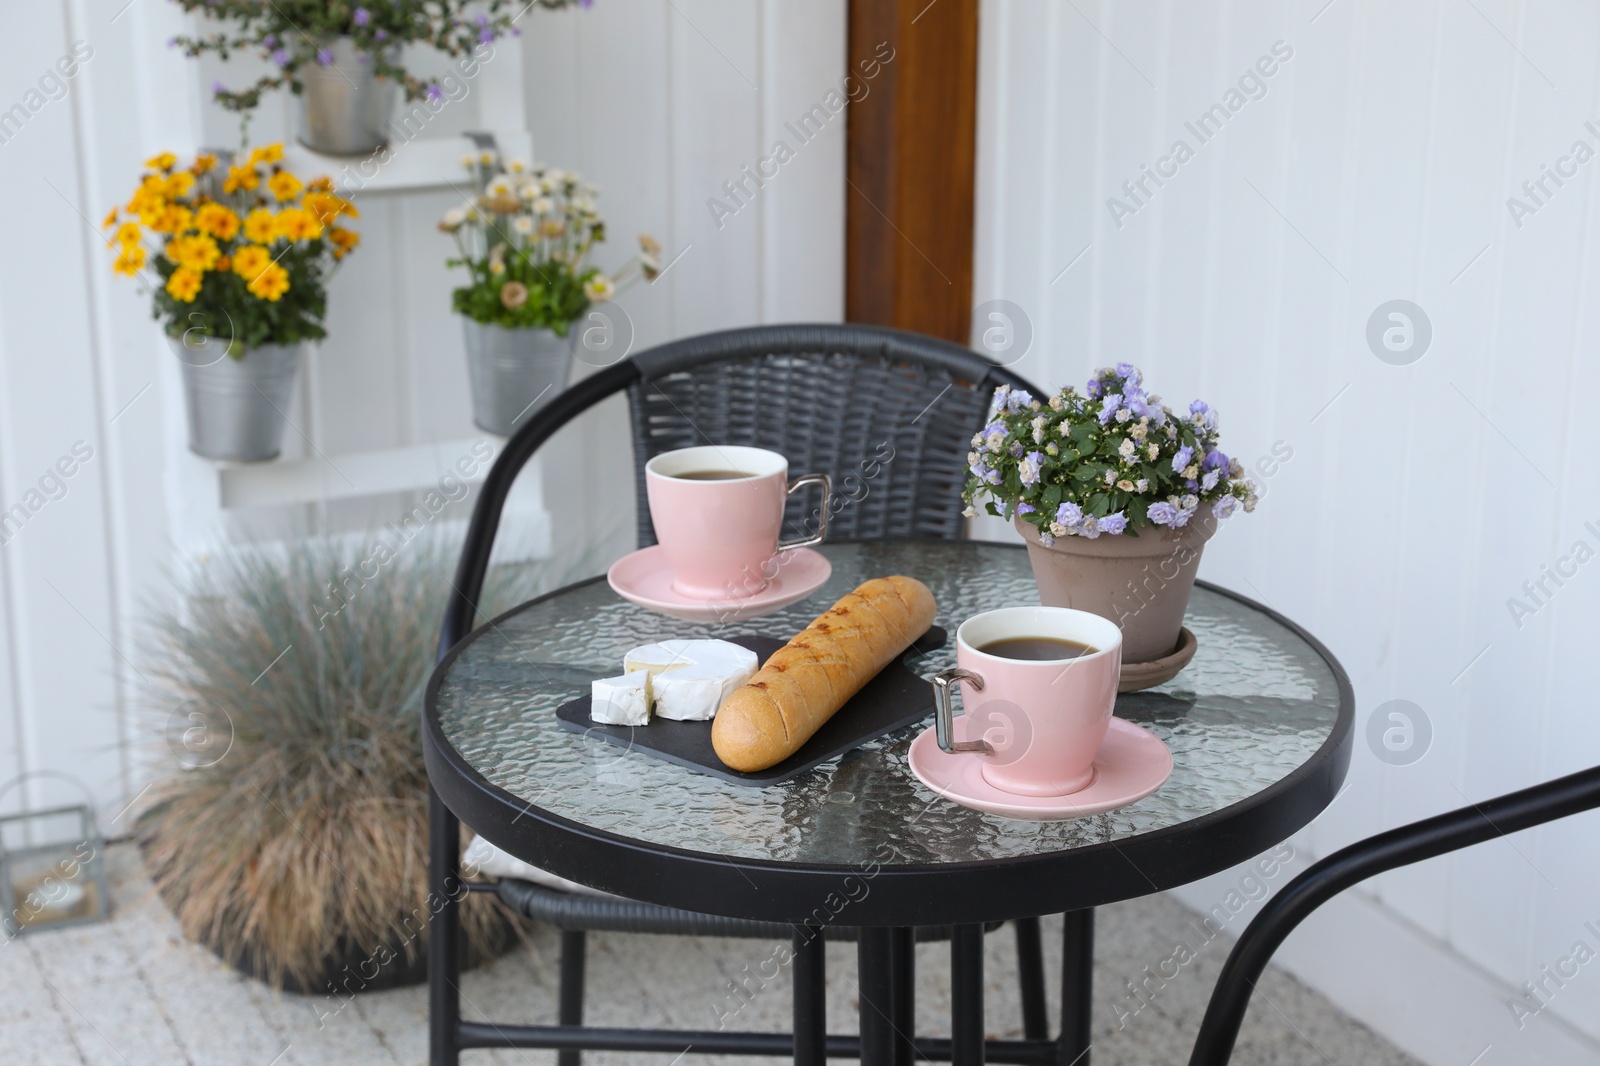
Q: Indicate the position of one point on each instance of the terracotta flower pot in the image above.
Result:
(1141, 583)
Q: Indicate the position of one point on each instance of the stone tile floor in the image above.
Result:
(130, 991)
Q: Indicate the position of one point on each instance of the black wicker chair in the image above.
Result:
(1427, 839)
(828, 397)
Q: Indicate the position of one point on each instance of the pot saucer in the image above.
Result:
(1136, 676)
(1132, 763)
(643, 577)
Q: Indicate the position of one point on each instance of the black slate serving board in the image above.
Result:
(896, 697)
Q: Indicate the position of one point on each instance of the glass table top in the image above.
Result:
(1256, 703)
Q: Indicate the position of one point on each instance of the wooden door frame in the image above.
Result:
(912, 166)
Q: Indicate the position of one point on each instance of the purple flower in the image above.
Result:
(218, 88)
(1109, 405)
(1209, 482)
(380, 34)
(435, 93)
(1225, 506)
(361, 16)
(1181, 460)
(1129, 373)
(1093, 389)
(1192, 485)
(1029, 468)
(1214, 460)
(586, 3)
(485, 36)
(1182, 519)
(280, 56)
(1018, 399)
(1113, 523)
(324, 57)
(270, 40)
(1044, 538)
(1199, 407)
(1162, 514)
(481, 20)
(1087, 528)
(1026, 508)
(1069, 514)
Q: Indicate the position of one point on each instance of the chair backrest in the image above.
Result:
(1458, 829)
(888, 415)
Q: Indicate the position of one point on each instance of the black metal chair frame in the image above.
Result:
(1427, 839)
(732, 352)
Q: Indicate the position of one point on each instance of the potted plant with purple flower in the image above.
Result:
(1115, 494)
(343, 59)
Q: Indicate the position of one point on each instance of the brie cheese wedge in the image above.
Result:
(621, 700)
(689, 679)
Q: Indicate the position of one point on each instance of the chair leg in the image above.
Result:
(810, 997)
(1030, 975)
(444, 934)
(574, 947)
(966, 996)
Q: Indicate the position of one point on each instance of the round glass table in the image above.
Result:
(1259, 725)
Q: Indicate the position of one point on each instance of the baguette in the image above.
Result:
(807, 680)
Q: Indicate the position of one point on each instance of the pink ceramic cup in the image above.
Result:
(1042, 721)
(721, 537)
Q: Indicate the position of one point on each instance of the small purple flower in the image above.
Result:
(324, 57)
(1109, 405)
(1209, 482)
(270, 40)
(1192, 485)
(380, 34)
(1087, 528)
(1129, 373)
(435, 93)
(1182, 519)
(361, 16)
(1113, 523)
(481, 20)
(1093, 389)
(1199, 407)
(1225, 506)
(280, 56)
(1162, 514)
(1069, 514)
(218, 88)
(172, 42)
(1018, 399)
(1029, 468)
(1181, 460)
(1044, 538)
(485, 36)
(1214, 460)
(1026, 508)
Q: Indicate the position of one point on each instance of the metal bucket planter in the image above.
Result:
(344, 106)
(237, 407)
(514, 372)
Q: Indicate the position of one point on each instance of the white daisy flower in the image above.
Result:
(599, 288)
(522, 225)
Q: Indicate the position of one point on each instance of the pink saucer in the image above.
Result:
(643, 577)
(1133, 762)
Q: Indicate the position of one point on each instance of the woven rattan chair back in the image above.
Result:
(888, 415)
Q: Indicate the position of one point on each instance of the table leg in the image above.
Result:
(966, 996)
(875, 956)
(1077, 986)
(903, 946)
(810, 997)
(444, 933)
(1030, 976)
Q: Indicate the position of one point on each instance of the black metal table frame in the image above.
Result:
(968, 895)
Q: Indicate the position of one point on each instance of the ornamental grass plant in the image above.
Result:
(291, 835)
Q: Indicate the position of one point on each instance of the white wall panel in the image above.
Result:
(1419, 498)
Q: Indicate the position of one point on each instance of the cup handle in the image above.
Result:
(822, 523)
(944, 716)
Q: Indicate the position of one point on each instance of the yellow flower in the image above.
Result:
(147, 202)
(184, 284)
(238, 178)
(344, 241)
(178, 186)
(197, 252)
(260, 226)
(297, 225)
(267, 153)
(203, 163)
(127, 234)
(284, 185)
(271, 283)
(171, 219)
(218, 221)
(164, 161)
(129, 261)
(322, 184)
(250, 261)
(111, 219)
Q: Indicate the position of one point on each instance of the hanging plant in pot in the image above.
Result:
(1116, 496)
(342, 61)
(525, 241)
(237, 257)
